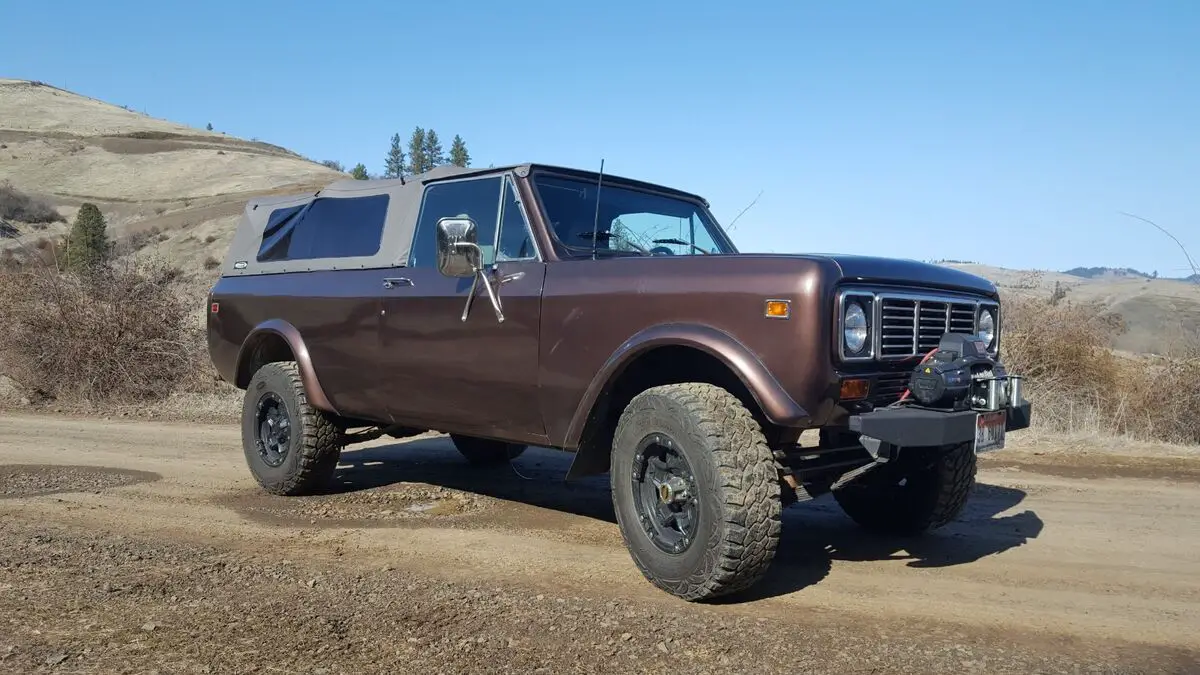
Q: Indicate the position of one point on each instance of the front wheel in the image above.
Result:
(291, 447)
(695, 490)
(924, 489)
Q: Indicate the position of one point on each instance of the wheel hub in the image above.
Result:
(274, 428)
(664, 494)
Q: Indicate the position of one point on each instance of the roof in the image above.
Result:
(399, 221)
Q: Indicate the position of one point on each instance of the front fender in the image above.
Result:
(776, 404)
(259, 345)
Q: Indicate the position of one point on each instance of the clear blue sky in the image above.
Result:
(1008, 132)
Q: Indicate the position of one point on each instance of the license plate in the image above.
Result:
(989, 431)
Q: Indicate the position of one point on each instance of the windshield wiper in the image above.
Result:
(680, 242)
(613, 235)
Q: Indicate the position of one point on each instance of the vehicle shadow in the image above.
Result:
(815, 533)
(535, 478)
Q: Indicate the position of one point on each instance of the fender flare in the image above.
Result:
(290, 335)
(776, 404)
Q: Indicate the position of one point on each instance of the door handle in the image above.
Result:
(392, 282)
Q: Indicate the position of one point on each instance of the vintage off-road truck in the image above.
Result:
(536, 305)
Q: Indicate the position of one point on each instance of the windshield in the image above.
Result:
(632, 222)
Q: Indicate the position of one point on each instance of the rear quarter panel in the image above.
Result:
(336, 313)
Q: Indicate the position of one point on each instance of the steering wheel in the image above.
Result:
(661, 250)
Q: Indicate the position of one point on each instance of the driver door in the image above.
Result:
(478, 376)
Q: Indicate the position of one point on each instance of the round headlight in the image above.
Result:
(854, 328)
(987, 326)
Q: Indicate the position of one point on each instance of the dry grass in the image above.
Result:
(16, 205)
(118, 334)
(1081, 386)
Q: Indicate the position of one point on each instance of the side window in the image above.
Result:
(478, 199)
(516, 241)
(329, 227)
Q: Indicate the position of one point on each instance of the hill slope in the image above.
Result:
(187, 185)
(1157, 313)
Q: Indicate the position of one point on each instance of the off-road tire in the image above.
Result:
(482, 451)
(315, 441)
(736, 481)
(937, 483)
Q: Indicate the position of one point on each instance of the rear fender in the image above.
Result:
(266, 333)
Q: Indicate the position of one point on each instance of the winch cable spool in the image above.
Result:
(907, 391)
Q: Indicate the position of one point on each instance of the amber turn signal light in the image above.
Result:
(855, 390)
(779, 309)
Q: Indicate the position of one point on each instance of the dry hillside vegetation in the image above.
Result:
(1154, 313)
(1081, 386)
(185, 185)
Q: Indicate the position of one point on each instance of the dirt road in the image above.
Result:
(138, 547)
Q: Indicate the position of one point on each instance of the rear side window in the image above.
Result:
(329, 227)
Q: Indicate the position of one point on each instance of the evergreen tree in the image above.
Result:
(418, 161)
(87, 246)
(209, 127)
(393, 165)
(359, 172)
(434, 155)
(458, 152)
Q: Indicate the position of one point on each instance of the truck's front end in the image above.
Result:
(921, 391)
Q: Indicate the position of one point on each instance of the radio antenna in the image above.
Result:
(596, 222)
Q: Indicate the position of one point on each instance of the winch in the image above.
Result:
(960, 375)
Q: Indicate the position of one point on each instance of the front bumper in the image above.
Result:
(923, 427)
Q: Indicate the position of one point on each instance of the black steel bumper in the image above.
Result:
(920, 427)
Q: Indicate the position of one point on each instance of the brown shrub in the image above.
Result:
(211, 263)
(119, 333)
(1079, 385)
(16, 205)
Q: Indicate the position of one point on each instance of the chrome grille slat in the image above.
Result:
(910, 326)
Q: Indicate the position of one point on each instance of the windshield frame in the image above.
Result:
(576, 252)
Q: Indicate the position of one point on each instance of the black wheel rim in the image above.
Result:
(665, 494)
(274, 429)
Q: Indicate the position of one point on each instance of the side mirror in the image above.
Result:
(458, 253)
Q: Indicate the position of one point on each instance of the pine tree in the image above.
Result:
(393, 164)
(359, 172)
(434, 155)
(458, 152)
(209, 127)
(87, 246)
(418, 161)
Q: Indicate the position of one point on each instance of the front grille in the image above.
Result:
(910, 326)
(888, 388)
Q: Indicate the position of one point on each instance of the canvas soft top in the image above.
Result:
(403, 210)
(404, 204)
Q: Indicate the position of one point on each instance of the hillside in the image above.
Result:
(1157, 313)
(185, 186)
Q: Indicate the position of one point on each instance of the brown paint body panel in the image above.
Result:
(400, 353)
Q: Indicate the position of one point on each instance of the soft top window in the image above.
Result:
(328, 227)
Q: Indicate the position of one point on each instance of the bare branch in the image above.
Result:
(733, 222)
(1162, 229)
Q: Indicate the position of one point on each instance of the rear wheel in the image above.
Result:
(291, 447)
(924, 489)
(695, 490)
(482, 451)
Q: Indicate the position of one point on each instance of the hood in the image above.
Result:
(909, 272)
(901, 272)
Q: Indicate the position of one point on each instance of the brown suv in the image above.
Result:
(536, 305)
